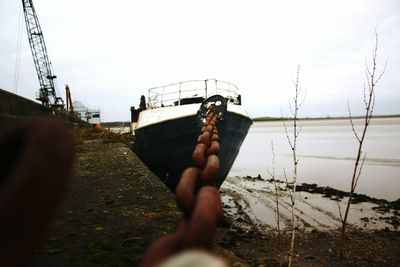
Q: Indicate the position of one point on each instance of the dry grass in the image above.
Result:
(93, 135)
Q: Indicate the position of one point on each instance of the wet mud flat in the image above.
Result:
(250, 207)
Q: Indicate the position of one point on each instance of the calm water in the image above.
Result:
(326, 151)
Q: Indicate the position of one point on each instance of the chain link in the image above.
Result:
(198, 198)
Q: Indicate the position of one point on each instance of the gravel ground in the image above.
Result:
(115, 207)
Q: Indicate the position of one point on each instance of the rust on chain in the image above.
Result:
(199, 199)
(197, 196)
(36, 161)
(205, 157)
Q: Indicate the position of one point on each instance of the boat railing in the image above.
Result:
(193, 91)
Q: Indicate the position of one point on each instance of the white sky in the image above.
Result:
(111, 52)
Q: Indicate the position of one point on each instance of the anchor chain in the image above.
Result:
(197, 196)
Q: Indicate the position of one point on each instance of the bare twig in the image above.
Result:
(340, 211)
(304, 98)
(289, 185)
(367, 72)
(365, 96)
(286, 131)
(369, 101)
(383, 72)
(294, 108)
(352, 123)
(298, 131)
(276, 187)
(360, 169)
(372, 107)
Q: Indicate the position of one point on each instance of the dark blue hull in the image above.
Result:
(166, 147)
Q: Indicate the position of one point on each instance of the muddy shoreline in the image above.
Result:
(115, 207)
(260, 243)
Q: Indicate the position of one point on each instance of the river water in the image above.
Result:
(326, 153)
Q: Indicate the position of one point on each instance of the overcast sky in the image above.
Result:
(111, 52)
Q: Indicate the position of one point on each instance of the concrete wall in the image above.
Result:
(15, 109)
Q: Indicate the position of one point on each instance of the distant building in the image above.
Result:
(90, 115)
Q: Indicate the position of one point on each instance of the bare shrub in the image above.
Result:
(294, 109)
(372, 78)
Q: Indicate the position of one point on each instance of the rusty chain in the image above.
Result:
(198, 198)
(36, 161)
(47, 143)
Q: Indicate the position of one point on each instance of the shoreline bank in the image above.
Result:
(317, 207)
(115, 207)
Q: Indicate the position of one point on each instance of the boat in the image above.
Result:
(166, 128)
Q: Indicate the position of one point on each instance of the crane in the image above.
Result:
(70, 107)
(47, 92)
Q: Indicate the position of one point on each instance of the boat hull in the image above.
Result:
(166, 147)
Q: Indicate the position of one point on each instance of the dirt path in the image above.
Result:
(113, 209)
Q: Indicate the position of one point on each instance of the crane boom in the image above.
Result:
(70, 107)
(47, 92)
